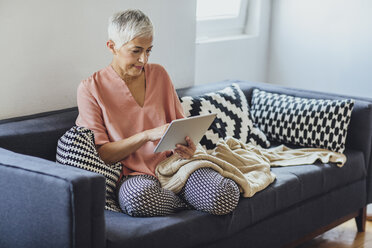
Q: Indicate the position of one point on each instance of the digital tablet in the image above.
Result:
(194, 127)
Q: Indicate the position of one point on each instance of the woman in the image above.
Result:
(128, 106)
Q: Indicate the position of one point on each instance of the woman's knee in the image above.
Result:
(144, 196)
(210, 192)
(136, 196)
(226, 197)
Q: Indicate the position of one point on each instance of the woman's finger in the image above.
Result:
(190, 143)
(183, 151)
(180, 153)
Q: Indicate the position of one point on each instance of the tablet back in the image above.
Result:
(194, 127)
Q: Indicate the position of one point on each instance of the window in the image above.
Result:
(220, 18)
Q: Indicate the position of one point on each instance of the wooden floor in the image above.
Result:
(343, 236)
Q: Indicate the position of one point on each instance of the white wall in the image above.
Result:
(47, 47)
(242, 58)
(322, 45)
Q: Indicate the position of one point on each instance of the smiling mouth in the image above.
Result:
(138, 67)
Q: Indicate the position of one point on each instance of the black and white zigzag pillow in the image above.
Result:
(233, 116)
(302, 121)
(77, 148)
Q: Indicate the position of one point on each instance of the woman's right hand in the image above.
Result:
(113, 152)
(156, 133)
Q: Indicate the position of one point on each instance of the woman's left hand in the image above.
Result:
(186, 151)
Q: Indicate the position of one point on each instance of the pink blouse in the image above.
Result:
(107, 107)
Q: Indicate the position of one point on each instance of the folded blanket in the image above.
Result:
(246, 164)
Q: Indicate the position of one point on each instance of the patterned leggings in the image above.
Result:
(205, 190)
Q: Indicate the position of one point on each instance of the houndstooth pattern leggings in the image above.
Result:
(205, 190)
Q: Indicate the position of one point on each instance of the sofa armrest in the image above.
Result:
(360, 136)
(43, 204)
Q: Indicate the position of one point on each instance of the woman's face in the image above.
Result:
(131, 58)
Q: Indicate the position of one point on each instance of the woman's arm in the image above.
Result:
(113, 152)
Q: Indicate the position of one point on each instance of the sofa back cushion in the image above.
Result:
(77, 148)
(233, 116)
(302, 121)
(37, 134)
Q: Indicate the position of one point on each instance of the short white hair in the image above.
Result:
(127, 25)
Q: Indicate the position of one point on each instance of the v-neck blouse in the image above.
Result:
(107, 107)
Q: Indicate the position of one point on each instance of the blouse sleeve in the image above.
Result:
(90, 114)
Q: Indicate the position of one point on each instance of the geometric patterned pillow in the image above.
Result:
(77, 148)
(302, 121)
(233, 117)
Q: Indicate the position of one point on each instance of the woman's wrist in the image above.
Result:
(145, 136)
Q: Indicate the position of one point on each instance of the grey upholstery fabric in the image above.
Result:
(302, 199)
(293, 185)
(48, 205)
(294, 222)
(36, 135)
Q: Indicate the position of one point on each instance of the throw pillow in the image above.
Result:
(302, 121)
(77, 148)
(233, 116)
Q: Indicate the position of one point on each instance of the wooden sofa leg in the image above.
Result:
(361, 219)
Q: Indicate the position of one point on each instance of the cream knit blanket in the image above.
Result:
(246, 164)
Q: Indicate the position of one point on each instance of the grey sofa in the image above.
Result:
(45, 205)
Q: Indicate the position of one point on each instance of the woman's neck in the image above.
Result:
(128, 79)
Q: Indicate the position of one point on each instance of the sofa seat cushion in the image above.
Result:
(183, 229)
(293, 185)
